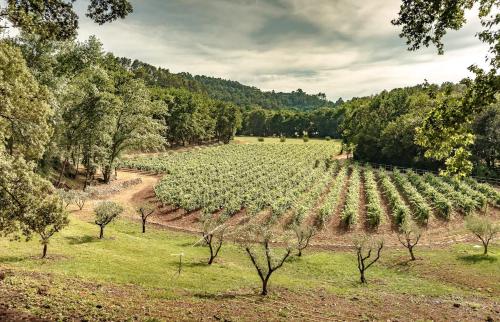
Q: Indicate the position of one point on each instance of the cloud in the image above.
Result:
(342, 48)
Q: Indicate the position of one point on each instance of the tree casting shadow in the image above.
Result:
(477, 258)
(78, 240)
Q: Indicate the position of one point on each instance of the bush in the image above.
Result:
(260, 139)
(305, 138)
(327, 138)
(282, 138)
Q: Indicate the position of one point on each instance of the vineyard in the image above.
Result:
(302, 184)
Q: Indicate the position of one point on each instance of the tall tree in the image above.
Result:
(448, 124)
(56, 19)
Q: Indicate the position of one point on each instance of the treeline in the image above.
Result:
(320, 122)
(384, 128)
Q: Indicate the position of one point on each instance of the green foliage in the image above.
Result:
(441, 204)
(351, 208)
(57, 19)
(48, 219)
(462, 201)
(305, 138)
(332, 199)
(260, 139)
(483, 228)
(399, 210)
(374, 213)
(446, 133)
(420, 209)
(105, 213)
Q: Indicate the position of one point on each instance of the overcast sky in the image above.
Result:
(344, 48)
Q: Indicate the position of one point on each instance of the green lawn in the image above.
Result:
(127, 256)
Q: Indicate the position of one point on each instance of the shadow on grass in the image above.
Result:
(12, 259)
(477, 258)
(78, 240)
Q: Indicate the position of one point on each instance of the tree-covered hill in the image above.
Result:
(226, 90)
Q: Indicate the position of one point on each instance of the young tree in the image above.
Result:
(483, 228)
(145, 210)
(81, 198)
(304, 235)
(213, 234)
(364, 248)
(265, 261)
(409, 235)
(48, 219)
(105, 213)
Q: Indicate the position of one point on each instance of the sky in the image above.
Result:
(344, 48)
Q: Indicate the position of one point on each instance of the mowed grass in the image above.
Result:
(151, 260)
(255, 139)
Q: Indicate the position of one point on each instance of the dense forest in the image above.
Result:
(389, 127)
(226, 90)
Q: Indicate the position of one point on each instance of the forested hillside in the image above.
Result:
(226, 90)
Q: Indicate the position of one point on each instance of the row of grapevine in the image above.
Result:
(374, 213)
(492, 194)
(463, 202)
(332, 200)
(399, 209)
(480, 199)
(442, 206)
(349, 214)
(420, 207)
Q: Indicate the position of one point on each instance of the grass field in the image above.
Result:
(147, 263)
(255, 139)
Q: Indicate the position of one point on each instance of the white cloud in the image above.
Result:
(343, 48)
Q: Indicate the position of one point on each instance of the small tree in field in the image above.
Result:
(483, 228)
(67, 196)
(364, 248)
(145, 210)
(304, 235)
(265, 261)
(105, 213)
(213, 234)
(49, 218)
(81, 198)
(409, 236)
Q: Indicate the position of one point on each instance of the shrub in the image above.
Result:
(260, 139)
(327, 138)
(282, 138)
(305, 138)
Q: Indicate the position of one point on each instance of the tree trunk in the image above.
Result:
(264, 286)
(300, 253)
(485, 248)
(101, 234)
(211, 260)
(363, 279)
(411, 253)
(143, 226)
(44, 252)
(63, 167)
